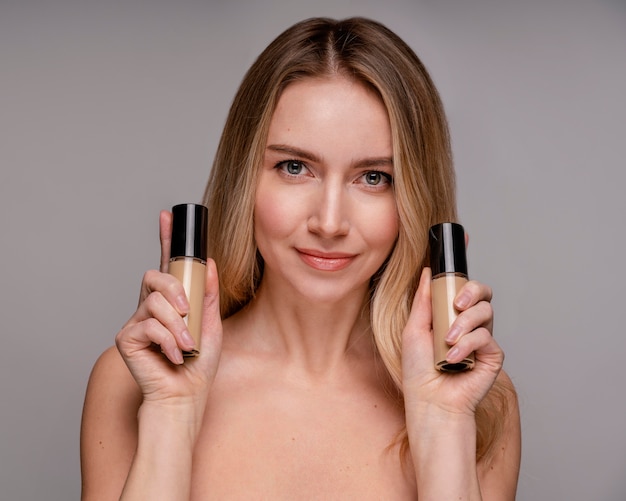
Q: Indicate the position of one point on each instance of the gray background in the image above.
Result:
(111, 110)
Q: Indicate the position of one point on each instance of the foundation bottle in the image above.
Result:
(188, 262)
(448, 262)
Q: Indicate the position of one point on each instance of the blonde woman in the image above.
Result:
(315, 378)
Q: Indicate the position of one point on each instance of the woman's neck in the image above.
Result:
(315, 337)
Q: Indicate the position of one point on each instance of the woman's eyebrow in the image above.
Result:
(312, 157)
(294, 152)
(374, 162)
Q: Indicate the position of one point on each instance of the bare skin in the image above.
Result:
(288, 399)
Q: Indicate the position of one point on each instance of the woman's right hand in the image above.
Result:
(151, 341)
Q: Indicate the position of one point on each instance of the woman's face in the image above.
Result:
(325, 215)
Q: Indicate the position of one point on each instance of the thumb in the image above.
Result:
(417, 339)
(211, 318)
(165, 236)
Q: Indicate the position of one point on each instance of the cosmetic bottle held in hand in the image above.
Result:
(188, 262)
(448, 262)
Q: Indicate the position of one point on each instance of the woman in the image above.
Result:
(316, 377)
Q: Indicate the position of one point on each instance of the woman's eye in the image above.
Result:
(292, 167)
(376, 178)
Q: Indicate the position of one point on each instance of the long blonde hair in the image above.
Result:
(424, 180)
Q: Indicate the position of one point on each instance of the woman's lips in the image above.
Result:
(326, 261)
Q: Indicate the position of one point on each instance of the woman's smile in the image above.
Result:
(326, 261)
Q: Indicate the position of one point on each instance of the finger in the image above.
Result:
(165, 236)
(481, 342)
(167, 285)
(156, 306)
(471, 293)
(479, 315)
(142, 336)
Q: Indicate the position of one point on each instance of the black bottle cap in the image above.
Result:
(189, 231)
(447, 249)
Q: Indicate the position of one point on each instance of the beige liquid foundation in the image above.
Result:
(188, 262)
(448, 262)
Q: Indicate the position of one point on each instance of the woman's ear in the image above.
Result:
(466, 239)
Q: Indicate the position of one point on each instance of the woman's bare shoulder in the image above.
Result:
(500, 471)
(110, 377)
(109, 426)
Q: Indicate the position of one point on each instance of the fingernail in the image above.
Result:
(188, 341)
(453, 355)
(178, 357)
(453, 334)
(181, 303)
(462, 301)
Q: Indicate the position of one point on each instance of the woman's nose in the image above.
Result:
(329, 212)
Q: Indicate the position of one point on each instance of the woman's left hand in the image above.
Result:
(460, 393)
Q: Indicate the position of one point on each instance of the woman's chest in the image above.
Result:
(264, 444)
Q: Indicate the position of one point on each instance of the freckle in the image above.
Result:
(293, 439)
(375, 406)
